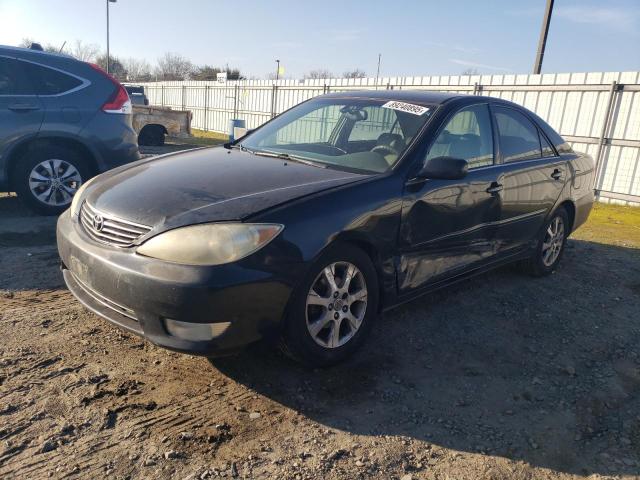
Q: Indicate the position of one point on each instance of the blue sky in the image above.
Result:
(419, 37)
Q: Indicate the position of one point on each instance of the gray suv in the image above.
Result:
(62, 121)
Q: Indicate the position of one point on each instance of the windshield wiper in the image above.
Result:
(283, 156)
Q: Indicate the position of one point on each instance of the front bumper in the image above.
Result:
(139, 294)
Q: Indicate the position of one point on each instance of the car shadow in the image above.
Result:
(28, 253)
(543, 370)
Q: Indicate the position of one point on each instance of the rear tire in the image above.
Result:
(152, 136)
(46, 178)
(551, 244)
(347, 312)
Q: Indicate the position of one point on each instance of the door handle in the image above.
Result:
(557, 174)
(23, 107)
(495, 188)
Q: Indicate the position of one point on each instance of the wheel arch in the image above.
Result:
(570, 208)
(32, 143)
(150, 126)
(373, 252)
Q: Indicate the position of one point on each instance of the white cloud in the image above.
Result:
(457, 48)
(478, 65)
(616, 18)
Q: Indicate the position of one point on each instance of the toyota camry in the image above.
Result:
(305, 229)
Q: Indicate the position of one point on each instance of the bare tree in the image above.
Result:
(27, 42)
(137, 70)
(470, 71)
(356, 73)
(116, 68)
(173, 66)
(319, 73)
(86, 52)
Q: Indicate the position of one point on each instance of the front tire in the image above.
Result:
(550, 246)
(47, 178)
(333, 309)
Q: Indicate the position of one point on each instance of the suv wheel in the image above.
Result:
(333, 309)
(47, 178)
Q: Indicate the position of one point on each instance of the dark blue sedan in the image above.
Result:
(309, 226)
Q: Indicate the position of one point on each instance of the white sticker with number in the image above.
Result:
(406, 107)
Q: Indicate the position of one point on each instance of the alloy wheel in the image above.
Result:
(553, 241)
(336, 304)
(54, 182)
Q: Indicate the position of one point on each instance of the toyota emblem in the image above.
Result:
(98, 223)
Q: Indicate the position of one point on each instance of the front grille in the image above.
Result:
(107, 229)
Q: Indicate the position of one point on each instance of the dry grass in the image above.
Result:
(202, 137)
(612, 224)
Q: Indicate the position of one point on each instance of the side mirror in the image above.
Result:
(444, 168)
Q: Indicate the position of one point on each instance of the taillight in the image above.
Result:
(118, 101)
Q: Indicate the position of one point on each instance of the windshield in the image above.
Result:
(355, 134)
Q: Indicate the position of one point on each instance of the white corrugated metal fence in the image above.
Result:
(598, 112)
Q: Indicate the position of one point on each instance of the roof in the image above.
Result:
(7, 49)
(421, 96)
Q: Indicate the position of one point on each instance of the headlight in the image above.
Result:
(75, 203)
(210, 244)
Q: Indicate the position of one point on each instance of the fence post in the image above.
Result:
(274, 93)
(206, 107)
(236, 91)
(184, 89)
(162, 94)
(606, 124)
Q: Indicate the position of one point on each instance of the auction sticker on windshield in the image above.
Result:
(406, 107)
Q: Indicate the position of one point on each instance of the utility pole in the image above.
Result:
(277, 69)
(537, 66)
(108, 2)
(378, 72)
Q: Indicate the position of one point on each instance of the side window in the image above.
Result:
(519, 138)
(466, 135)
(50, 81)
(13, 80)
(378, 122)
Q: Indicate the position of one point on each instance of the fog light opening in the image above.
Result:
(195, 332)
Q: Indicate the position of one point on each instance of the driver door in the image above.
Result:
(448, 226)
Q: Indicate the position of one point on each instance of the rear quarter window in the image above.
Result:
(50, 81)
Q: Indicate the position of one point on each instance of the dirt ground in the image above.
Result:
(503, 376)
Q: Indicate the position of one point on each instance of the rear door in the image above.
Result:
(531, 179)
(21, 111)
(61, 93)
(448, 226)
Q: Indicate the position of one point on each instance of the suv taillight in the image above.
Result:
(118, 101)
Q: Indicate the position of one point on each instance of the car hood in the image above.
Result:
(209, 184)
